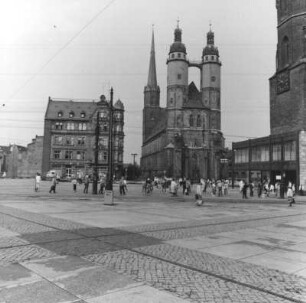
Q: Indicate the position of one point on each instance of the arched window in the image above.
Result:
(191, 120)
(285, 51)
(199, 121)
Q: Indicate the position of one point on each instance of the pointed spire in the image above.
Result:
(152, 78)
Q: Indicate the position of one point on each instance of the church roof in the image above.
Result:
(152, 78)
(177, 45)
(194, 97)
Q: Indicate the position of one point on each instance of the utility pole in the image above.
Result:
(134, 163)
(95, 174)
(109, 185)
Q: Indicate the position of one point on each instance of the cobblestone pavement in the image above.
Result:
(141, 252)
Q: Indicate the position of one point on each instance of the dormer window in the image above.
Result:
(71, 114)
(60, 114)
(83, 115)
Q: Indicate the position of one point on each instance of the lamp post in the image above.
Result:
(108, 197)
(109, 185)
(95, 172)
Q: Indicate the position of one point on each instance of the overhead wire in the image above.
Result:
(61, 49)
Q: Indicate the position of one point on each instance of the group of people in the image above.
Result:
(267, 189)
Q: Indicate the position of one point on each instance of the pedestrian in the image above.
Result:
(37, 181)
(86, 184)
(102, 185)
(121, 186)
(251, 185)
(74, 184)
(173, 187)
(290, 194)
(259, 189)
(244, 191)
(53, 185)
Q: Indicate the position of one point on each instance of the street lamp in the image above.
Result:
(109, 183)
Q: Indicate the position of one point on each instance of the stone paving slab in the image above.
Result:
(291, 286)
(137, 294)
(36, 292)
(183, 282)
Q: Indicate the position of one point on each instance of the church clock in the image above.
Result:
(282, 82)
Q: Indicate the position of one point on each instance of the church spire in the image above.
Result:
(152, 78)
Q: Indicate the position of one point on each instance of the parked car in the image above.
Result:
(51, 174)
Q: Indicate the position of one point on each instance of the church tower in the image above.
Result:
(288, 85)
(177, 80)
(151, 96)
(210, 89)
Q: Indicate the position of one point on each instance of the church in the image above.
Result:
(184, 139)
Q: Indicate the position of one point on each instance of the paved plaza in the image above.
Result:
(71, 247)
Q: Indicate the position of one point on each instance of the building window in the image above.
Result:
(71, 114)
(198, 121)
(57, 154)
(58, 125)
(276, 152)
(105, 127)
(104, 156)
(60, 114)
(68, 154)
(242, 155)
(290, 151)
(118, 128)
(69, 141)
(212, 58)
(191, 120)
(172, 56)
(58, 140)
(103, 142)
(120, 157)
(103, 114)
(70, 126)
(80, 155)
(81, 140)
(285, 51)
(83, 115)
(82, 126)
(179, 55)
(206, 58)
(179, 76)
(260, 154)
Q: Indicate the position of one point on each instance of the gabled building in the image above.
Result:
(184, 139)
(71, 136)
(281, 156)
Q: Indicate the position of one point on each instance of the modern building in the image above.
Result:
(184, 138)
(76, 137)
(282, 154)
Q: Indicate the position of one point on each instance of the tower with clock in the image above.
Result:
(288, 85)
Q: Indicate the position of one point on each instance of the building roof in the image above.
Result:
(82, 110)
(194, 97)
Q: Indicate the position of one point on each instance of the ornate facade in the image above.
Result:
(185, 138)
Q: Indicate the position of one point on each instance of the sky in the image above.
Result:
(79, 49)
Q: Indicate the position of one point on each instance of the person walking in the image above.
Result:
(86, 184)
(37, 181)
(290, 194)
(244, 191)
(121, 186)
(74, 184)
(53, 186)
(102, 185)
